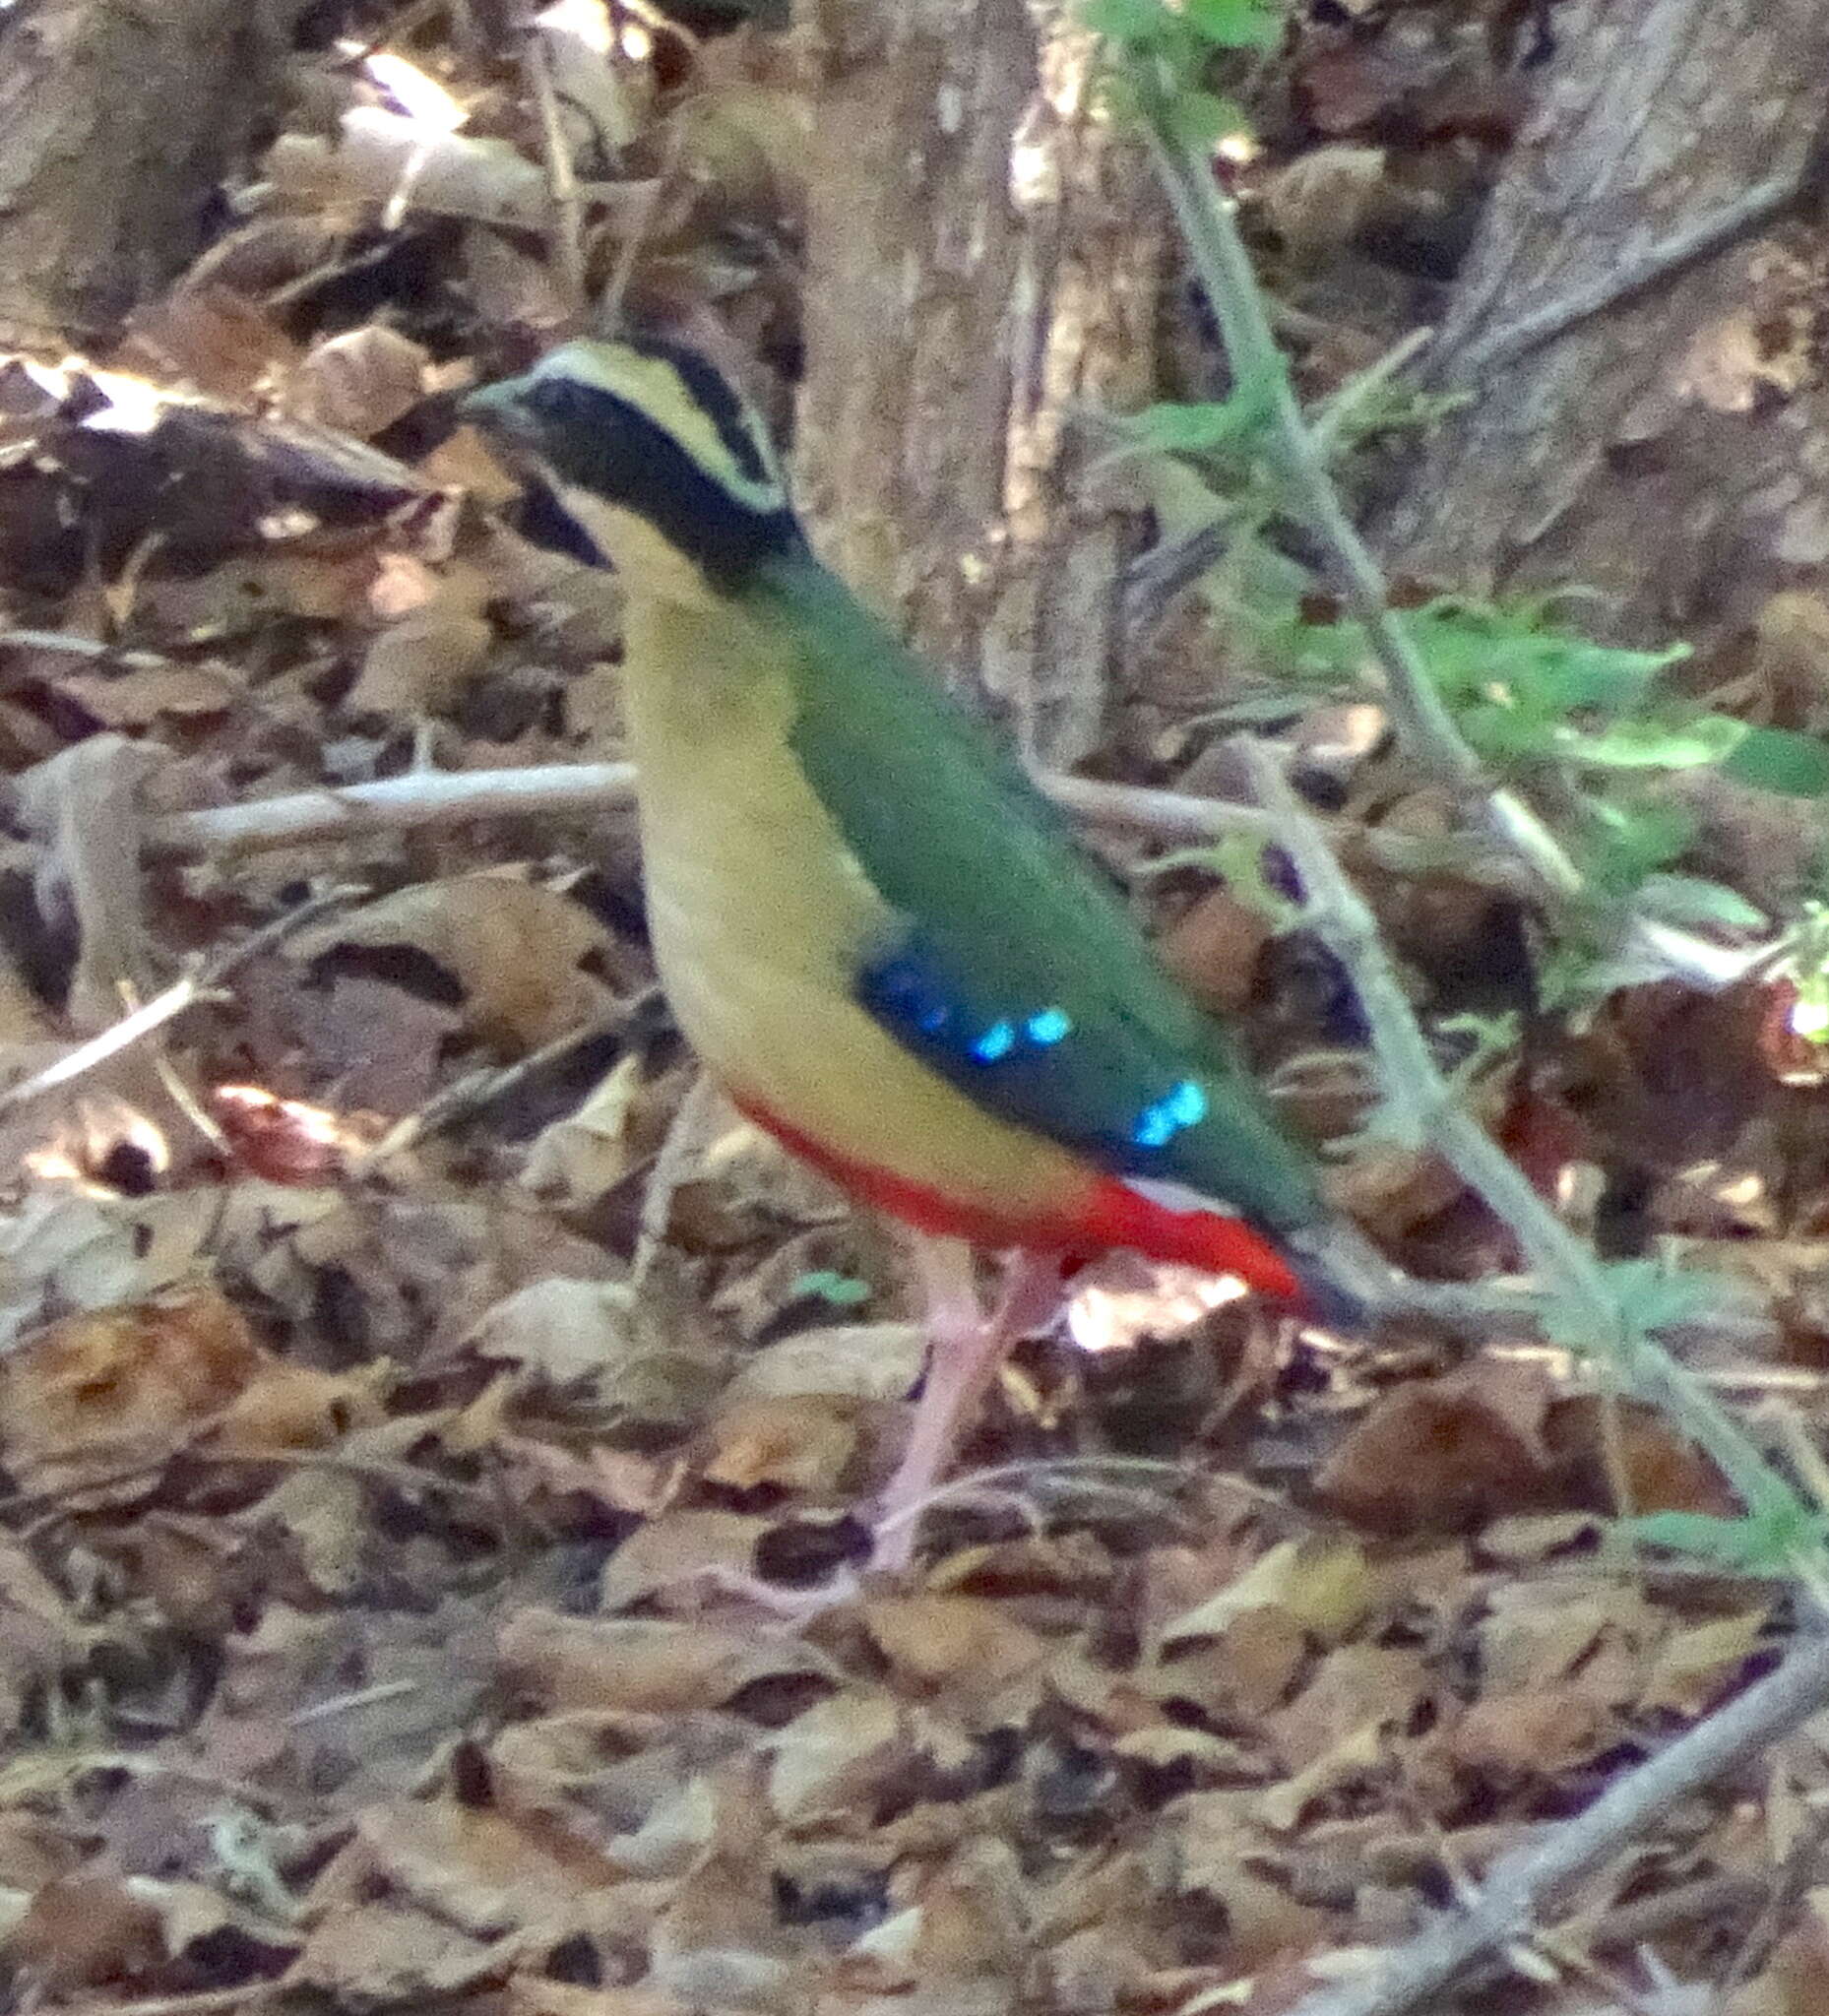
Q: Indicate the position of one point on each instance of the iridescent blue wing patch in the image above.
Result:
(1089, 1083)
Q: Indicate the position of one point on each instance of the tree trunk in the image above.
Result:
(1671, 450)
(983, 262)
(118, 121)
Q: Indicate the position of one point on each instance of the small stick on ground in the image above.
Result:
(395, 804)
(136, 1026)
(1520, 1887)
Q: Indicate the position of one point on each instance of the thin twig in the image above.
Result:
(1337, 412)
(1418, 714)
(568, 228)
(394, 804)
(1424, 1107)
(351, 1703)
(668, 1172)
(434, 799)
(635, 239)
(1505, 345)
(1174, 817)
(206, 2002)
(459, 1103)
(441, 798)
(1796, 1876)
(1520, 1886)
(63, 646)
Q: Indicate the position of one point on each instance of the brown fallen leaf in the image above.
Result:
(1664, 1470)
(1439, 1456)
(830, 1759)
(480, 1868)
(40, 1637)
(676, 1552)
(1353, 1686)
(585, 1155)
(376, 1956)
(1241, 1672)
(359, 382)
(531, 1995)
(800, 1444)
(603, 1345)
(124, 1384)
(644, 1664)
(1508, 1737)
(952, 1643)
(295, 1406)
(514, 952)
(82, 1930)
(139, 697)
(380, 156)
(1591, 1631)
(864, 1360)
(1208, 1855)
(208, 335)
(424, 664)
(1325, 1585)
(1795, 1980)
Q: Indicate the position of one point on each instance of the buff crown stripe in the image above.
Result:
(683, 395)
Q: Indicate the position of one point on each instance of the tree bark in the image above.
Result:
(984, 260)
(1672, 450)
(118, 120)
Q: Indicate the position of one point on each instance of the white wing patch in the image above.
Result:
(1173, 1196)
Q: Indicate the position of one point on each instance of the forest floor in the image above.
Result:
(420, 1401)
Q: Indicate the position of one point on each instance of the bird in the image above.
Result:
(880, 937)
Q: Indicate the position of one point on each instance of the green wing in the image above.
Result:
(1017, 971)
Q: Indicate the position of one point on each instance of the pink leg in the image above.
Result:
(965, 1348)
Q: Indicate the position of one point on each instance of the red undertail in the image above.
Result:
(1109, 1214)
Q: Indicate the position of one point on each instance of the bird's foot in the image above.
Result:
(966, 1347)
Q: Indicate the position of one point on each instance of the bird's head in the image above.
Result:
(652, 460)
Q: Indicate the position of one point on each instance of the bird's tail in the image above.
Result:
(1348, 1282)
(1353, 1287)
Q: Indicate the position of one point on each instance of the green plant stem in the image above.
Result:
(1422, 1103)
(1418, 714)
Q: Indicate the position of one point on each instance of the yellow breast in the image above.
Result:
(759, 913)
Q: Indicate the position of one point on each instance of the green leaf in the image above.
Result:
(1235, 24)
(1695, 900)
(1513, 676)
(1777, 760)
(1125, 21)
(1488, 1036)
(1647, 1296)
(1652, 1296)
(1200, 428)
(1632, 837)
(1738, 1543)
(1767, 1544)
(1203, 120)
(841, 1290)
(1196, 428)
(1511, 656)
(1654, 745)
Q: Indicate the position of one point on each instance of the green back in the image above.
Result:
(1019, 972)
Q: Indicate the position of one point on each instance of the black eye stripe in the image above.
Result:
(611, 449)
(544, 519)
